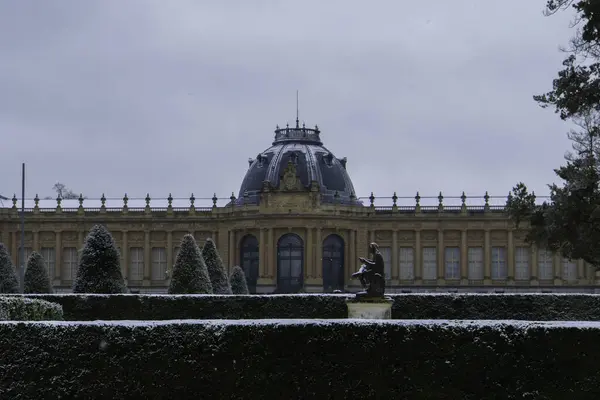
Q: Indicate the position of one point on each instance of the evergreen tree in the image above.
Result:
(237, 280)
(8, 276)
(36, 275)
(99, 268)
(190, 274)
(216, 270)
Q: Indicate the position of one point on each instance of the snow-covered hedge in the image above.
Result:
(299, 359)
(531, 307)
(17, 308)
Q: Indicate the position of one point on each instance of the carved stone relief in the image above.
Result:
(69, 236)
(383, 235)
(178, 235)
(158, 236)
(406, 236)
(47, 237)
(452, 235)
(135, 236)
(498, 235)
(474, 235)
(429, 236)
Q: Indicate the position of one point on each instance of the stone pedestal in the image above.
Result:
(380, 308)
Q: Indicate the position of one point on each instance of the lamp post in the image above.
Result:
(22, 249)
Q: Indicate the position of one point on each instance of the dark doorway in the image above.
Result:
(290, 263)
(249, 256)
(333, 263)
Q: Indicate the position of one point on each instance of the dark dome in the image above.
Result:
(303, 147)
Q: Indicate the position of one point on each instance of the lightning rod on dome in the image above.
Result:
(297, 113)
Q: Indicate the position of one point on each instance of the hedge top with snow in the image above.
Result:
(36, 275)
(8, 276)
(99, 266)
(190, 274)
(216, 269)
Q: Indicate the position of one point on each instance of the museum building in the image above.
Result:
(297, 226)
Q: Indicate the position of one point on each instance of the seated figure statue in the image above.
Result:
(371, 274)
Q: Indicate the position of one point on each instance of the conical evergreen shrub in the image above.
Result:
(36, 275)
(237, 280)
(216, 270)
(189, 274)
(8, 276)
(99, 268)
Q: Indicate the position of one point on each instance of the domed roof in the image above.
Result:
(313, 162)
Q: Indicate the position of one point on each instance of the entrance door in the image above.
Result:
(290, 263)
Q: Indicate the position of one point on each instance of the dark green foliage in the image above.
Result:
(36, 275)
(237, 280)
(17, 308)
(216, 269)
(9, 282)
(299, 360)
(189, 272)
(99, 265)
(532, 307)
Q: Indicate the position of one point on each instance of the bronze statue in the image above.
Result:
(371, 274)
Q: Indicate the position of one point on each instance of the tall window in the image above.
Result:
(407, 263)
(290, 263)
(386, 253)
(429, 263)
(545, 271)
(475, 256)
(136, 272)
(569, 270)
(499, 271)
(27, 254)
(452, 262)
(522, 257)
(249, 259)
(159, 263)
(49, 256)
(70, 261)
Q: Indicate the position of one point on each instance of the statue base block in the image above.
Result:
(370, 308)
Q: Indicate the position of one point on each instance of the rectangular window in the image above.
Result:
(452, 263)
(569, 270)
(522, 257)
(429, 263)
(26, 256)
(475, 256)
(407, 263)
(70, 261)
(386, 252)
(499, 270)
(49, 256)
(545, 269)
(136, 272)
(159, 263)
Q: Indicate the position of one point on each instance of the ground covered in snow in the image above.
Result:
(532, 307)
(299, 358)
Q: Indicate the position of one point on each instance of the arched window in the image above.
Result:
(290, 263)
(249, 259)
(333, 263)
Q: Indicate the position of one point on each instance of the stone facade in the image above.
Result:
(291, 242)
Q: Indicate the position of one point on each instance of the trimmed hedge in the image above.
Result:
(530, 307)
(299, 359)
(13, 308)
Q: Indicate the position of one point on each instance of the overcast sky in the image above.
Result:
(142, 96)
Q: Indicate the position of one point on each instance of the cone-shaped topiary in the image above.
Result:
(8, 276)
(189, 272)
(216, 270)
(36, 275)
(99, 268)
(237, 280)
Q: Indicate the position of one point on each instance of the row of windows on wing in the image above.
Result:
(475, 261)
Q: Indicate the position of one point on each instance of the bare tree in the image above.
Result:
(63, 192)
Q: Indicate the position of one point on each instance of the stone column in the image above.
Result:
(510, 254)
(310, 247)
(231, 257)
(534, 262)
(169, 252)
(395, 264)
(487, 255)
(371, 238)
(14, 249)
(464, 256)
(440, 255)
(80, 239)
(318, 267)
(57, 255)
(124, 256)
(147, 256)
(271, 254)
(417, 256)
(215, 238)
(352, 261)
(36, 241)
(262, 259)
